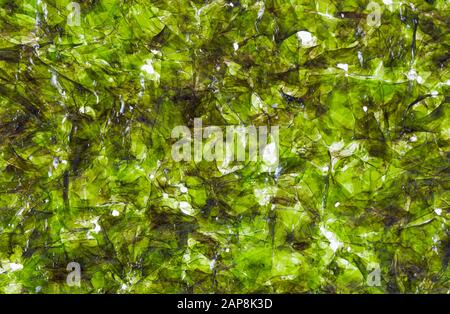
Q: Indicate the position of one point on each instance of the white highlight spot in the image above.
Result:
(55, 83)
(115, 213)
(122, 105)
(235, 46)
(413, 76)
(360, 58)
(14, 266)
(336, 146)
(331, 237)
(261, 12)
(270, 154)
(212, 264)
(183, 189)
(262, 196)
(150, 70)
(148, 67)
(343, 66)
(306, 38)
(438, 211)
(186, 208)
(97, 227)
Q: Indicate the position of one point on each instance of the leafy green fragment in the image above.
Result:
(86, 173)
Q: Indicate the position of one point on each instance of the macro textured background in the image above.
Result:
(86, 173)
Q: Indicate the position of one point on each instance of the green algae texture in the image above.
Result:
(91, 91)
